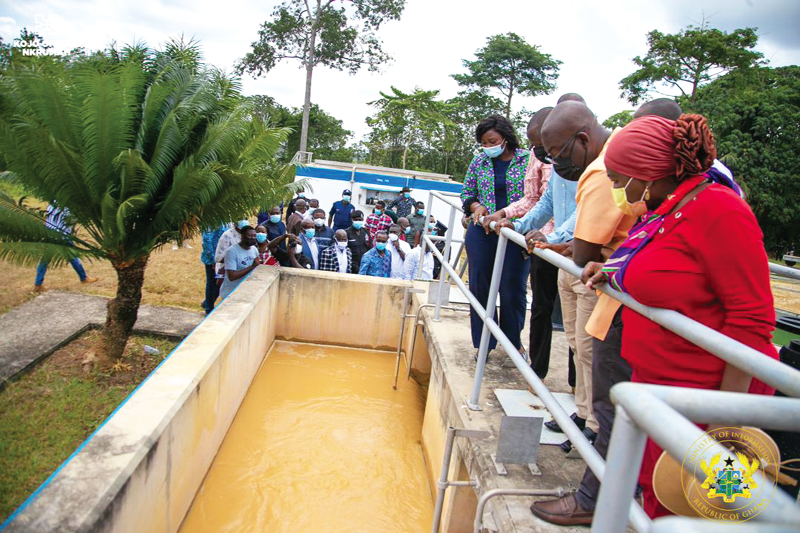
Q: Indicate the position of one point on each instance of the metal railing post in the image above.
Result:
(491, 310)
(557, 492)
(623, 461)
(443, 274)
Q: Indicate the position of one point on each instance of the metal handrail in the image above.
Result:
(786, 272)
(558, 492)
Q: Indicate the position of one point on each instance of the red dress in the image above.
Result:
(708, 263)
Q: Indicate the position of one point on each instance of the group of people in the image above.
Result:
(386, 243)
(647, 208)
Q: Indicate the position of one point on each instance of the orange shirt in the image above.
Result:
(599, 220)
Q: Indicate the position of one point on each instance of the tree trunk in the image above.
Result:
(307, 102)
(405, 152)
(508, 107)
(122, 312)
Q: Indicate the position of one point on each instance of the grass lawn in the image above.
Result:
(47, 413)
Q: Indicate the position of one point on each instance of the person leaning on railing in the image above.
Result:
(672, 260)
(495, 179)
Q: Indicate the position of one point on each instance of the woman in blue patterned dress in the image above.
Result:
(493, 181)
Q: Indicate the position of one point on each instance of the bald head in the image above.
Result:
(573, 138)
(563, 122)
(571, 97)
(661, 107)
(534, 130)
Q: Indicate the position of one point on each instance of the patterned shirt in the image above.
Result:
(479, 181)
(536, 179)
(210, 241)
(329, 260)
(228, 239)
(402, 206)
(372, 264)
(376, 223)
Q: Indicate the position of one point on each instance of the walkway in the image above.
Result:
(41, 326)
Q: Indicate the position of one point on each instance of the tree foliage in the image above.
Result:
(755, 117)
(509, 65)
(619, 120)
(339, 35)
(686, 60)
(141, 153)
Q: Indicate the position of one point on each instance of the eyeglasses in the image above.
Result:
(570, 143)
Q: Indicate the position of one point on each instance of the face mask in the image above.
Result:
(301, 195)
(393, 237)
(380, 246)
(310, 232)
(261, 237)
(358, 224)
(407, 195)
(378, 212)
(421, 212)
(341, 245)
(407, 230)
(432, 225)
(319, 222)
(345, 199)
(494, 151)
(250, 242)
(541, 154)
(564, 166)
(636, 209)
(274, 218)
(242, 223)
(298, 249)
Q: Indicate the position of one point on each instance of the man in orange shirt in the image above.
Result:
(576, 143)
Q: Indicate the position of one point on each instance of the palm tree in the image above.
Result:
(141, 153)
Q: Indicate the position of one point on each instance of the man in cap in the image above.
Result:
(403, 204)
(339, 215)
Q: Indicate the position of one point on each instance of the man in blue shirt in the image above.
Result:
(339, 215)
(378, 261)
(210, 239)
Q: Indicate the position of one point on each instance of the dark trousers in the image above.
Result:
(481, 250)
(212, 289)
(608, 369)
(544, 289)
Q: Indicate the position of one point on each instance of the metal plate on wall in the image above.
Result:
(518, 443)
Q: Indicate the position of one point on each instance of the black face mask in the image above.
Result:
(250, 242)
(541, 154)
(564, 167)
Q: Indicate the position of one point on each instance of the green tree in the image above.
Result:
(688, 59)
(618, 120)
(339, 37)
(137, 163)
(510, 66)
(755, 117)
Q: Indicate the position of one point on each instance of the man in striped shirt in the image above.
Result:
(55, 220)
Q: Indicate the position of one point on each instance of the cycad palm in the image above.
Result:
(139, 159)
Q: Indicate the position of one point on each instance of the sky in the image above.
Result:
(595, 40)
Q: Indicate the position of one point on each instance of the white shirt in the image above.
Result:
(341, 257)
(411, 266)
(312, 245)
(228, 239)
(397, 261)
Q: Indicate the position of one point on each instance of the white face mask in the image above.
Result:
(392, 237)
(319, 221)
(298, 249)
(341, 245)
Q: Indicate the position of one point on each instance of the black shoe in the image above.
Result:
(588, 433)
(553, 425)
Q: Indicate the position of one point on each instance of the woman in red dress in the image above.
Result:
(698, 250)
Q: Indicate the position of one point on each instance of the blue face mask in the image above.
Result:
(274, 218)
(301, 195)
(378, 212)
(408, 229)
(345, 199)
(380, 246)
(310, 233)
(358, 224)
(242, 223)
(261, 237)
(421, 212)
(494, 151)
(407, 194)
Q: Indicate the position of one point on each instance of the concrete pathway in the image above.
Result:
(37, 328)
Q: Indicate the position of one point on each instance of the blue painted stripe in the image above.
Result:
(47, 481)
(370, 178)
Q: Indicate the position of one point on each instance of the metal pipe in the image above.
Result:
(441, 485)
(444, 272)
(771, 371)
(491, 303)
(558, 492)
(677, 435)
(442, 197)
(786, 272)
(575, 435)
(438, 238)
(623, 462)
(414, 333)
(403, 316)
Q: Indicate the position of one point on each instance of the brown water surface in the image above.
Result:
(320, 444)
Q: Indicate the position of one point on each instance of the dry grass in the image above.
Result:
(787, 295)
(173, 278)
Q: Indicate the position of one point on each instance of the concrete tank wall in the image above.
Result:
(141, 469)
